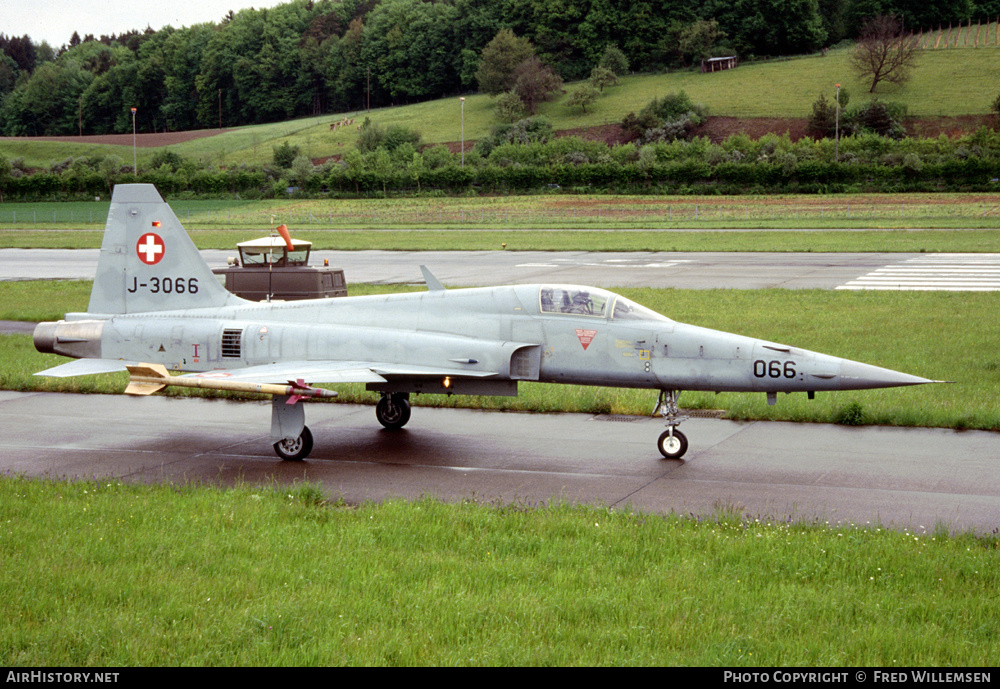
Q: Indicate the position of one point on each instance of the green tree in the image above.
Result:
(697, 41)
(500, 59)
(410, 48)
(181, 53)
(8, 74)
(48, 102)
(822, 121)
(284, 155)
(772, 27)
(383, 167)
(109, 167)
(372, 136)
(601, 77)
(251, 66)
(879, 117)
(344, 71)
(5, 169)
(301, 170)
(614, 60)
(510, 107)
(417, 167)
(582, 96)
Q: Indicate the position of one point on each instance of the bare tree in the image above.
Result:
(884, 52)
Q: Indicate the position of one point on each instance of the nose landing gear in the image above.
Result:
(672, 444)
(393, 410)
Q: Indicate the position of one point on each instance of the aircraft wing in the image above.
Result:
(313, 372)
(85, 367)
(329, 372)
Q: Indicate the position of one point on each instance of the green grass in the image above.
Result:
(957, 81)
(959, 223)
(937, 335)
(106, 574)
(945, 83)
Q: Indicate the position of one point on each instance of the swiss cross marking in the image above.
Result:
(150, 248)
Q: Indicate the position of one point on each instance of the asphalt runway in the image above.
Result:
(906, 478)
(684, 270)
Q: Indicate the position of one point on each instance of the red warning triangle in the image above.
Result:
(585, 337)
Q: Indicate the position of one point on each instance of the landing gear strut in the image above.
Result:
(393, 410)
(672, 443)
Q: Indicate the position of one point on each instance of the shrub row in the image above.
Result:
(738, 165)
(674, 177)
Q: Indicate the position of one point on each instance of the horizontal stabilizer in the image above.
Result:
(84, 367)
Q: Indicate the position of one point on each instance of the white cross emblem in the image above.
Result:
(150, 248)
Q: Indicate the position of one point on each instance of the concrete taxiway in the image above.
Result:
(684, 270)
(908, 478)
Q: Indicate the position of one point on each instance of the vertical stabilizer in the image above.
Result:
(148, 262)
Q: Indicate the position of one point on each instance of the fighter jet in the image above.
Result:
(156, 308)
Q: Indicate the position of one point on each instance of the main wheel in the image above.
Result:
(672, 445)
(297, 449)
(393, 411)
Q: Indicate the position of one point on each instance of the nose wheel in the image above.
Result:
(393, 410)
(672, 444)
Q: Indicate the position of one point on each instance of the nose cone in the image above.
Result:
(858, 376)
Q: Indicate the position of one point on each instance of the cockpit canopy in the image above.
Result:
(591, 301)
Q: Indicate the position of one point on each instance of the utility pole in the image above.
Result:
(135, 165)
(836, 128)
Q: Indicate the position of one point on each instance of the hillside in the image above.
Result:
(951, 92)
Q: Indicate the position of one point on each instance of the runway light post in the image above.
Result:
(462, 99)
(135, 166)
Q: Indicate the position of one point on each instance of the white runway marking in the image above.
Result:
(948, 272)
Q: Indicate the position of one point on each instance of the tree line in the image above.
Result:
(308, 57)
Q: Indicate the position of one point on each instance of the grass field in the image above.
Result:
(111, 575)
(941, 222)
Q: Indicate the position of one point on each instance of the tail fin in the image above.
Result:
(148, 262)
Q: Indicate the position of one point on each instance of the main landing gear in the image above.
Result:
(672, 443)
(296, 449)
(393, 410)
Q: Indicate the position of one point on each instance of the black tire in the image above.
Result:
(393, 411)
(672, 446)
(295, 450)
